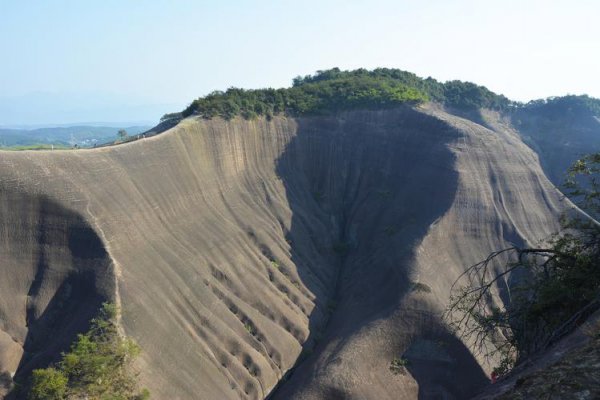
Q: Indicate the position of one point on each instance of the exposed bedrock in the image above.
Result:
(54, 275)
(560, 138)
(414, 198)
(316, 249)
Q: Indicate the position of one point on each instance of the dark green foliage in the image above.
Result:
(398, 366)
(582, 183)
(333, 90)
(98, 366)
(463, 95)
(552, 289)
(170, 116)
(468, 96)
(558, 107)
(48, 384)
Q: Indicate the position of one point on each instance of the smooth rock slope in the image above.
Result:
(241, 249)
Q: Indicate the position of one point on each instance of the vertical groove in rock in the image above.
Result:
(242, 243)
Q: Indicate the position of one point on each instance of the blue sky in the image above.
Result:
(130, 60)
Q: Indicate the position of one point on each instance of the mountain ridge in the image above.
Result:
(277, 207)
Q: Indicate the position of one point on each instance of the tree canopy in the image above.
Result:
(553, 107)
(334, 90)
(329, 91)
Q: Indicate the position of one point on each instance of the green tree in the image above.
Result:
(122, 134)
(48, 384)
(176, 116)
(98, 366)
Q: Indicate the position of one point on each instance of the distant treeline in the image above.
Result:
(334, 90)
(571, 104)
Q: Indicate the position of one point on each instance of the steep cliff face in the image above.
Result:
(54, 275)
(559, 136)
(242, 249)
(567, 370)
(474, 190)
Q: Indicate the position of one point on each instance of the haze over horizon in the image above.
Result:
(267, 200)
(68, 62)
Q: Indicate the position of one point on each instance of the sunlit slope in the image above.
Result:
(236, 244)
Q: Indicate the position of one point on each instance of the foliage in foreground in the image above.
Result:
(546, 292)
(98, 366)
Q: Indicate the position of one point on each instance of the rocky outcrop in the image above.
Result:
(291, 257)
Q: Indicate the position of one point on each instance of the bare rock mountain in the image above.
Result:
(290, 257)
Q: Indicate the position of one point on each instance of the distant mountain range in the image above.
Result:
(80, 135)
(49, 109)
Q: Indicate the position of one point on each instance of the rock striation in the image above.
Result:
(290, 257)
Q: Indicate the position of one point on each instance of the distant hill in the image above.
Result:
(82, 136)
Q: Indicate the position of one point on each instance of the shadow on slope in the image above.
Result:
(442, 366)
(364, 188)
(560, 136)
(72, 276)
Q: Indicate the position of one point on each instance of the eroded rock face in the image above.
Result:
(569, 369)
(560, 138)
(55, 274)
(575, 376)
(237, 245)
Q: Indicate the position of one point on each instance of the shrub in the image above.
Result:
(48, 384)
(398, 365)
(98, 366)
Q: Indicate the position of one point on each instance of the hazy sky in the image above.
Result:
(120, 55)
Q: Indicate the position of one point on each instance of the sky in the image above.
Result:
(67, 61)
